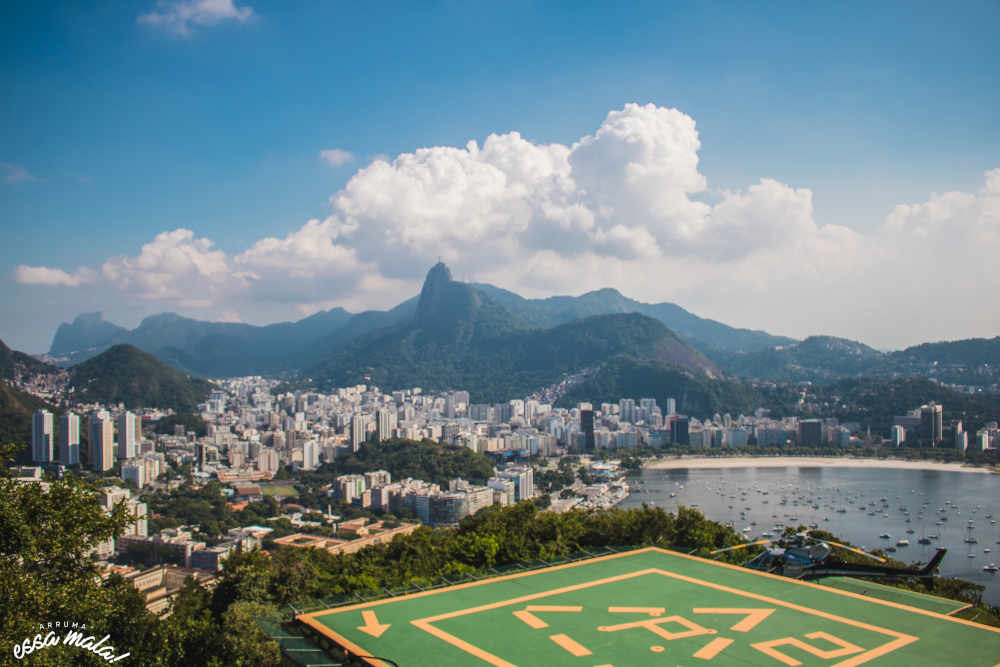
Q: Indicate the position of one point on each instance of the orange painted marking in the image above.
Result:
(372, 626)
(471, 649)
(770, 648)
(531, 619)
(655, 626)
(528, 617)
(573, 647)
(753, 616)
(652, 611)
(547, 607)
(713, 648)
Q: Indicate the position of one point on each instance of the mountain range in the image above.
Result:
(461, 337)
(222, 348)
(444, 334)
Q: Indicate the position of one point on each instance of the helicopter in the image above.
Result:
(803, 556)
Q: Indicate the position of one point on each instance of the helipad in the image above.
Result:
(651, 607)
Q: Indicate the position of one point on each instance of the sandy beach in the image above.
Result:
(808, 462)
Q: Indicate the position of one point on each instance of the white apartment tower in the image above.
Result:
(69, 439)
(41, 437)
(357, 431)
(383, 425)
(102, 441)
(126, 436)
(310, 455)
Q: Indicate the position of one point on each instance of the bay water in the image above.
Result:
(855, 504)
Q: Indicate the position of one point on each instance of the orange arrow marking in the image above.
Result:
(372, 626)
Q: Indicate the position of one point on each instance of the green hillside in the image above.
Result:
(816, 359)
(26, 364)
(128, 375)
(969, 352)
(696, 394)
(16, 408)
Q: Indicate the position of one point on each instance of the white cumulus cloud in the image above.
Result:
(623, 207)
(176, 267)
(41, 275)
(181, 17)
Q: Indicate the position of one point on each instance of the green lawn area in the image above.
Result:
(283, 490)
(650, 607)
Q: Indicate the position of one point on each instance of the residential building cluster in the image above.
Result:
(925, 426)
(112, 436)
(429, 502)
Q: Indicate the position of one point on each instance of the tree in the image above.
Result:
(191, 633)
(246, 575)
(46, 574)
(245, 644)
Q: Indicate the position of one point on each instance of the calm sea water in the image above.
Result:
(814, 495)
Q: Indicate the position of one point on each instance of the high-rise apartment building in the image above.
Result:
(523, 478)
(69, 439)
(268, 460)
(358, 429)
(626, 410)
(101, 433)
(310, 454)
(126, 436)
(962, 441)
(931, 423)
(383, 425)
(811, 432)
(587, 426)
(42, 437)
(679, 432)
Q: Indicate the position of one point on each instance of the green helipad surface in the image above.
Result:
(892, 594)
(651, 607)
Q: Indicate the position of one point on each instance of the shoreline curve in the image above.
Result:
(809, 462)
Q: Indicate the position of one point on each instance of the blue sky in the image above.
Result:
(127, 120)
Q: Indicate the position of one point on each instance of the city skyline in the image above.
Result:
(244, 161)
